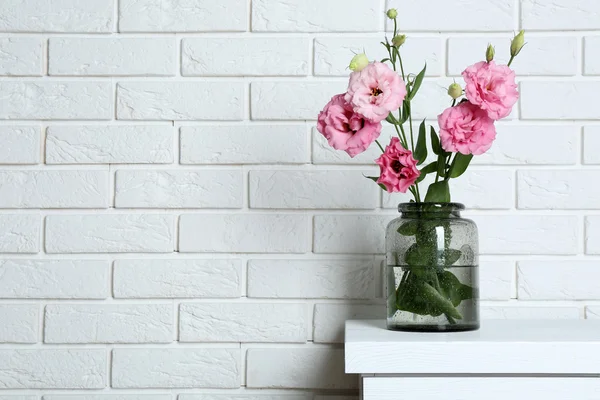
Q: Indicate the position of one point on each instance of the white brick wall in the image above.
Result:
(172, 225)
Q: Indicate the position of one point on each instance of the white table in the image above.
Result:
(504, 360)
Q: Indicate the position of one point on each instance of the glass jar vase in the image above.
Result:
(432, 269)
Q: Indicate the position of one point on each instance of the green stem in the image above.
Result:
(401, 66)
(378, 144)
(511, 60)
(402, 135)
(453, 102)
(447, 174)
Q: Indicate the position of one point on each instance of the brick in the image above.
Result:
(56, 100)
(109, 397)
(322, 153)
(552, 55)
(176, 368)
(333, 54)
(179, 189)
(18, 397)
(557, 189)
(311, 189)
(559, 100)
(329, 319)
(239, 233)
(288, 56)
(183, 16)
(103, 323)
(21, 56)
(53, 279)
(20, 233)
(294, 368)
(337, 233)
(291, 100)
(431, 100)
(180, 100)
(176, 278)
(529, 313)
(341, 279)
(114, 233)
(478, 189)
(527, 234)
(591, 47)
(557, 144)
(592, 312)
(108, 144)
(560, 15)
(20, 144)
(19, 322)
(53, 369)
(244, 144)
(558, 280)
(591, 141)
(54, 189)
(496, 280)
(311, 16)
(112, 56)
(242, 322)
(592, 234)
(462, 15)
(57, 16)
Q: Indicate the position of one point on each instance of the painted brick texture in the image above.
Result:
(172, 225)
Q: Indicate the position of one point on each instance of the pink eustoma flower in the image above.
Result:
(398, 167)
(491, 87)
(375, 91)
(344, 129)
(466, 129)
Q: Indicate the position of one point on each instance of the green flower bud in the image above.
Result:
(490, 52)
(517, 44)
(392, 13)
(398, 40)
(358, 62)
(455, 91)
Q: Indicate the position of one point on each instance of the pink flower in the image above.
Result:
(491, 87)
(398, 167)
(466, 129)
(344, 129)
(375, 91)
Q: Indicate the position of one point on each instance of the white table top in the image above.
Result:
(500, 346)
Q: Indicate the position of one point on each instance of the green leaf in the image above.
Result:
(440, 303)
(422, 254)
(375, 179)
(451, 256)
(441, 164)
(405, 111)
(428, 169)
(417, 83)
(453, 289)
(408, 228)
(460, 164)
(438, 192)
(391, 119)
(385, 59)
(435, 142)
(421, 149)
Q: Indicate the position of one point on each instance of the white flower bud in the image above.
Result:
(358, 62)
(455, 91)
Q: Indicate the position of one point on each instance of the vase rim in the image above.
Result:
(430, 207)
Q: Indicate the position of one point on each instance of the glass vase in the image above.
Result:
(432, 269)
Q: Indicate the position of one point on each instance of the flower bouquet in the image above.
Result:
(431, 252)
